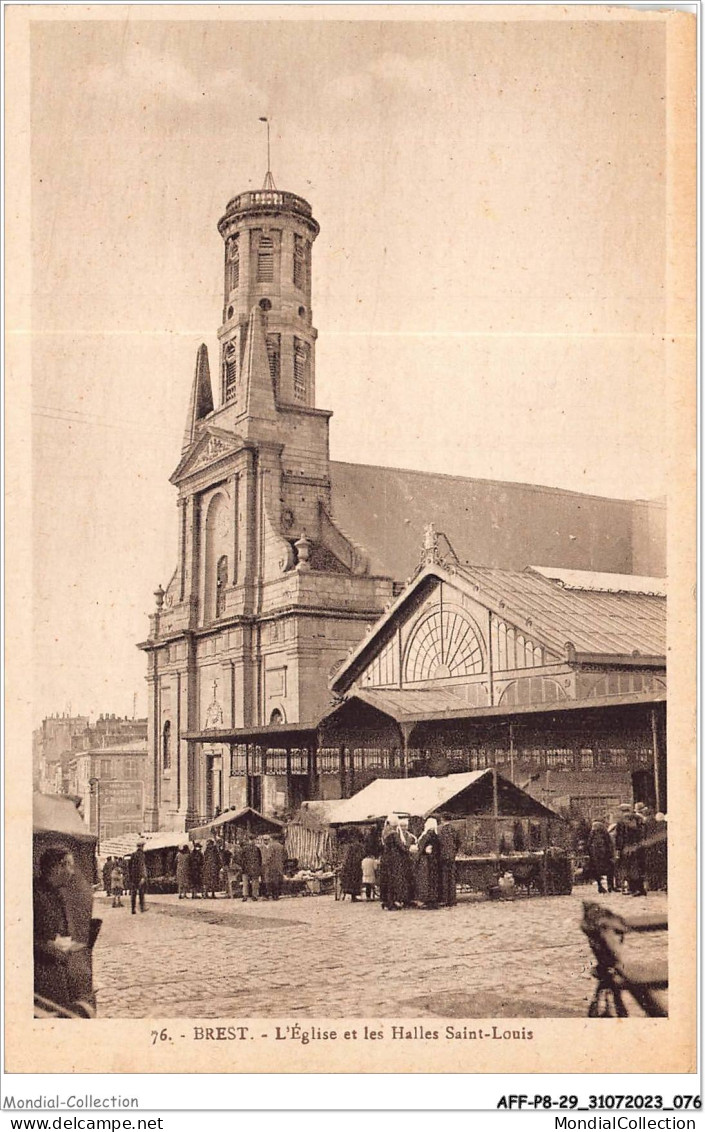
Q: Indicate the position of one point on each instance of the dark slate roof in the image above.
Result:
(490, 523)
(593, 621)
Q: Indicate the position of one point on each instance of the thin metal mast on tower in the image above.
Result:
(269, 179)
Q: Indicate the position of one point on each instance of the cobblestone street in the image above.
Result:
(315, 957)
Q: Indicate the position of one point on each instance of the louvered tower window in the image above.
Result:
(299, 262)
(300, 367)
(274, 355)
(265, 260)
(233, 258)
(230, 372)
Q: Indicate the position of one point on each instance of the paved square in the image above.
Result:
(316, 957)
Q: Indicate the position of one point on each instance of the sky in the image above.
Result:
(488, 283)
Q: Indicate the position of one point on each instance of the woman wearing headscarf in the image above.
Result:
(428, 867)
(394, 867)
(351, 872)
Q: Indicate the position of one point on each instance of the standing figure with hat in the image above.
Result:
(628, 835)
(138, 876)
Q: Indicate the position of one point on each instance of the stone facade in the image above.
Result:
(268, 594)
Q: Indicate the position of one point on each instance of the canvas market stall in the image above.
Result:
(232, 823)
(502, 828)
(310, 841)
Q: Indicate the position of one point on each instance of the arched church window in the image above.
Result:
(444, 643)
(265, 260)
(221, 582)
(277, 716)
(166, 746)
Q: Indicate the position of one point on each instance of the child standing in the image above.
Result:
(117, 885)
(370, 868)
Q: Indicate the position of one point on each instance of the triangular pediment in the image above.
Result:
(459, 590)
(211, 445)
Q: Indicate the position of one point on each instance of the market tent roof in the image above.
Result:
(247, 817)
(57, 813)
(126, 843)
(460, 794)
(315, 814)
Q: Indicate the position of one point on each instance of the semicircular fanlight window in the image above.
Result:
(445, 643)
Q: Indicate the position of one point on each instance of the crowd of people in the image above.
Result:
(248, 867)
(625, 854)
(403, 870)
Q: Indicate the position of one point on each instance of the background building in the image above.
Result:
(51, 743)
(110, 780)
(285, 559)
(60, 737)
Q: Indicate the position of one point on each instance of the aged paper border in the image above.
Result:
(560, 1045)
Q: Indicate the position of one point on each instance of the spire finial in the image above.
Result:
(269, 179)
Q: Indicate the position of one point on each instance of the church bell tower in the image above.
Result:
(268, 237)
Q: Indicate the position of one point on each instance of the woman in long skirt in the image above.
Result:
(393, 867)
(428, 867)
(351, 872)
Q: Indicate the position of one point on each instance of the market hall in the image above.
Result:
(555, 677)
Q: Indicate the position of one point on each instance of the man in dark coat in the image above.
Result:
(599, 850)
(107, 873)
(449, 839)
(51, 926)
(251, 868)
(196, 864)
(628, 836)
(138, 877)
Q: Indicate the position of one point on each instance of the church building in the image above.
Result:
(286, 559)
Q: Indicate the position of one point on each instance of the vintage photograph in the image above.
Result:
(357, 398)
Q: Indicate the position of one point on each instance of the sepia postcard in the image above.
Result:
(350, 589)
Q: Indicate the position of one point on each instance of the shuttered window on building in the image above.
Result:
(274, 356)
(233, 261)
(300, 262)
(300, 367)
(221, 582)
(265, 260)
(230, 372)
